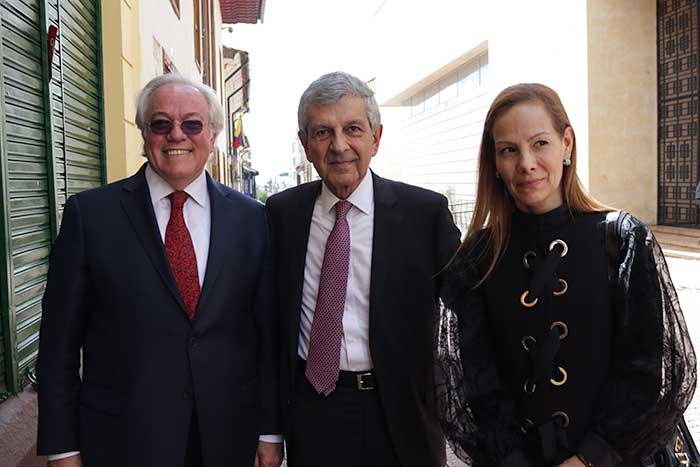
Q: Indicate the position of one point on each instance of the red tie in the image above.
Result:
(323, 360)
(178, 245)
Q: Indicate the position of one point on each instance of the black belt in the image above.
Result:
(360, 380)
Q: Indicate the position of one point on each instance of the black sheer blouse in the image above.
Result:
(575, 344)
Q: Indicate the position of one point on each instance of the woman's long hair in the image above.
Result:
(494, 205)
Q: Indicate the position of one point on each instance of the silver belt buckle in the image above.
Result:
(361, 384)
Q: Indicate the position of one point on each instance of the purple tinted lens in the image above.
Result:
(191, 127)
(161, 127)
(188, 127)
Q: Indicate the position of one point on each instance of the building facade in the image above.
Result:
(626, 71)
(51, 146)
(239, 168)
(303, 169)
(69, 76)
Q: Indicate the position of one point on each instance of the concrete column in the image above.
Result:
(623, 124)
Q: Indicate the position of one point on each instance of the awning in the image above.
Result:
(249, 171)
(242, 11)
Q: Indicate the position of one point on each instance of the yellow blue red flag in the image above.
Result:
(238, 133)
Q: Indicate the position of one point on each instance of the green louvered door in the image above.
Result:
(76, 92)
(51, 147)
(26, 223)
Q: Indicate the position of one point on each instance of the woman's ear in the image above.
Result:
(568, 141)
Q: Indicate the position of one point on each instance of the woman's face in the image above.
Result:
(530, 155)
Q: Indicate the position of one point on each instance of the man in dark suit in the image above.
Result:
(164, 281)
(357, 262)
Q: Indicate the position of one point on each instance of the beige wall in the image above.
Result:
(133, 46)
(623, 105)
(173, 36)
(121, 70)
(170, 35)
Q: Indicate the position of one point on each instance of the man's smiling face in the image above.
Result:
(178, 157)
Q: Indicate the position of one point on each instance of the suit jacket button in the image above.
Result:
(186, 395)
(193, 342)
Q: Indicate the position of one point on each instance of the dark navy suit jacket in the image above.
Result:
(414, 237)
(146, 367)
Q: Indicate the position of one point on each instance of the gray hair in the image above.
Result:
(332, 87)
(216, 113)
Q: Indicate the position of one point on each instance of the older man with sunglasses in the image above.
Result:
(163, 280)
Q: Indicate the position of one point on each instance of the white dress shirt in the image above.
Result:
(197, 214)
(196, 211)
(354, 349)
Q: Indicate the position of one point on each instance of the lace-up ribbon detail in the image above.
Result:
(542, 351)
(545, 283)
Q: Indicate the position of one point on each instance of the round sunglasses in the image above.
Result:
(188, 127)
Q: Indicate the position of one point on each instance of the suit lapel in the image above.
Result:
(136, 202)
(299, 218)
(223, 238)
(387, 222)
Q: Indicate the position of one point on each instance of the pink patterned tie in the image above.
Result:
(327, 328)
(178, 245)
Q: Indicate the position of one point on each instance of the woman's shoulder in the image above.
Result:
(473, 251)
(622, 227)
(465, 269)
(624, 221)
(617, 224)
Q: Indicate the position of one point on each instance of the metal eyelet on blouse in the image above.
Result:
(526, 304)
(561, 243)
(527, 342)
(564, 377)
(527, 426)
(526, 258)
(564, 287)
(563, 417)
(563, 329)
(529, 387)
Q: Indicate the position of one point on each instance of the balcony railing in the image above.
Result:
(462, 214)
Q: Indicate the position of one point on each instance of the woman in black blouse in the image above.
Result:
(561, 339)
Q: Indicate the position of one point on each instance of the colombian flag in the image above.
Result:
(238, 133)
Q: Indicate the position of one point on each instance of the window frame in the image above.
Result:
(176, 7)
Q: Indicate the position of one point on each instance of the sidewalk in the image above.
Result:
(685, 274)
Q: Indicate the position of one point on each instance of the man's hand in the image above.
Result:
(72, 461)
(572, 461)
(269, 455)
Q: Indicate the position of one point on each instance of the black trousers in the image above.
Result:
(344, 429)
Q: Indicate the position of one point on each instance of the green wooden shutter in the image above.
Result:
(26, 221)
(65, 116)
(78, 100)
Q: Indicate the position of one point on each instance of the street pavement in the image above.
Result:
(685, 274)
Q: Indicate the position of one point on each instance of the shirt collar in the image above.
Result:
(362, 198)
(159, 188)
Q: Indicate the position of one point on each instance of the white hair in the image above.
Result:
(332, 87)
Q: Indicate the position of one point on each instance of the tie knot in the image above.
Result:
(177, 199)
(341, 209)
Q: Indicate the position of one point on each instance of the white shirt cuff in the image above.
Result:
(272, 438)
(63, 455)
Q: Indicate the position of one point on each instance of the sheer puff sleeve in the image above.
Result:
(653, 370)
(477, 413)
